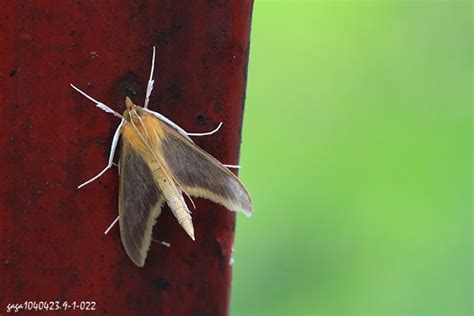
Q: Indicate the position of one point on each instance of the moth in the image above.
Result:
(159, 163)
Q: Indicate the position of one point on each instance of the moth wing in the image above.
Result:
(202, 175)
(140, 202)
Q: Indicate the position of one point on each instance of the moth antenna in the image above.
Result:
(189, 197)
(232, 166)
(113, 147)
(111, 225)
(206, 133)
(151, 82)
(98, 104)
(164, 243)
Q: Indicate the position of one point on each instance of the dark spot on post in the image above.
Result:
(143, 6)
(220, 39)
(131, 91)
(73, 32)
(12, 73)
(201, 118)
(161, 283)
(177, 26)
(100, 142)
(128, 85)
(74, 277)
(202, 313)
(217, 3)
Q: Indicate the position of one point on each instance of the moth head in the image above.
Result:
(132, 110)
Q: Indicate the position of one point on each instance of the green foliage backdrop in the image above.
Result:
(357, 152)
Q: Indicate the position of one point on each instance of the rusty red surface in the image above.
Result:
(52, 246)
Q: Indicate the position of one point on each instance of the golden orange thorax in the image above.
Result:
(142, 130)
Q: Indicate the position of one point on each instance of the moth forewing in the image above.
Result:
(200, 174)
(140, 202)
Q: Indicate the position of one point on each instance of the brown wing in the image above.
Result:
(140, 202)
(200, 174)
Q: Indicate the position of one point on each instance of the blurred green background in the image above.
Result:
(357, 152)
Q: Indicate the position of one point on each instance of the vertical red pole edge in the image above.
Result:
(52, 242)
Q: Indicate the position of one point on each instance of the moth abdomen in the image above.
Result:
(174, 199)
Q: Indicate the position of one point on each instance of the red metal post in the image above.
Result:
(52, 246)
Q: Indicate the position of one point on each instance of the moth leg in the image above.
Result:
(206, 133)
(117, 164)
(111, 157)
(164, 243)
(149, 87)
(232, 166)
(111, 225)
(192, 202)
(98, 104)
